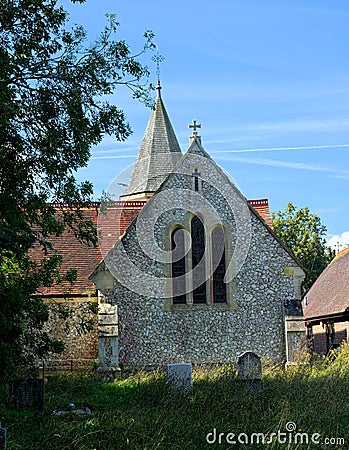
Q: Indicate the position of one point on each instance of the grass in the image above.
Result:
(142, 412)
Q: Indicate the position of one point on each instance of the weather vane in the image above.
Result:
(158, 59)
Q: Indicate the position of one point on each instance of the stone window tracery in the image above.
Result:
(206, 251)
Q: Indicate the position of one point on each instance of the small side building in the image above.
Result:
(326, 306)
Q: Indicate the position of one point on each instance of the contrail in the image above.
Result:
(250, 150)
(113, 156)
(275, 149)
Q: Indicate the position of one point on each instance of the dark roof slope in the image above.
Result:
(158, 154)
(330, 293)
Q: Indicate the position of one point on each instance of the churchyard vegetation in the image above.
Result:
(142, 412)
(304, 233)
(55, 89)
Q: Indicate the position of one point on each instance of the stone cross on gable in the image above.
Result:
(195, 125)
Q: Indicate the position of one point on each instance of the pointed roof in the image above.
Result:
(196, 147)
(329, 295)
(158, 154)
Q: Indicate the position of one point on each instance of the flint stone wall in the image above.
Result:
(153, 332)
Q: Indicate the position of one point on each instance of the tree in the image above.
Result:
(53, 108)
(304, 234)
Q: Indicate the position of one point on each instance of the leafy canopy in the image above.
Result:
(304, 233)
(53, 108)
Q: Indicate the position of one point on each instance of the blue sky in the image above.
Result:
(268, 81)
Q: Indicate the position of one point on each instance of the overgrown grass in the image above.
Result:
(142, 412)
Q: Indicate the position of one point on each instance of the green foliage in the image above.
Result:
(80, 317)
(304, 233)
(53, 86)
(142, 412)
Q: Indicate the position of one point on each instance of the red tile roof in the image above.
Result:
(330, 292)
(112, 220)
(76, 255)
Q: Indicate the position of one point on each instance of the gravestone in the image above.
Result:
(3, 433)
(250, 371)
(249, 366)
(180, 376)
(26, 394)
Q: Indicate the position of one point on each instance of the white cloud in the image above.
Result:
(339, 241)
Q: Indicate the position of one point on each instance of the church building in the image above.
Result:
(191, 271)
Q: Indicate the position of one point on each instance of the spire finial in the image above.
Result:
(158, 59)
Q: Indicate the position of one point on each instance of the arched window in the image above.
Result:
(218, 262)
(198, 260)
(178, 266)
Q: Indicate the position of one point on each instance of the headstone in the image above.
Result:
(249, 366)
(26, 394)
(180, 375)
(3, 433)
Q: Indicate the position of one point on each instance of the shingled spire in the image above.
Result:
(157, 156)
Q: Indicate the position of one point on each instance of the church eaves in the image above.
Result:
(158, 154)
